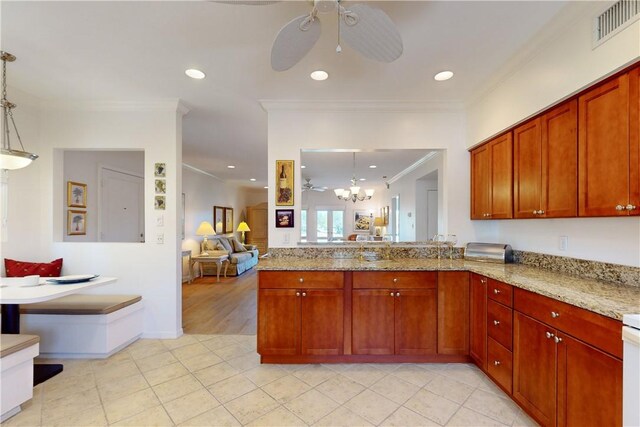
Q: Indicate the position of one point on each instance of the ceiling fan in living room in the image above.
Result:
(366, 29)
(308, 186)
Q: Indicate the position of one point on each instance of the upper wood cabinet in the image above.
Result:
(608, 162)
(545, 152)
(492, 179)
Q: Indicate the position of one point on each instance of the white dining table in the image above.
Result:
(11, 297)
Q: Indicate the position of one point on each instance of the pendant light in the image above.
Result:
(9, 158)
(353, 193)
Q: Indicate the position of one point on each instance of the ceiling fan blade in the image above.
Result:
(318, 189)
(294, 41)
(372, 33)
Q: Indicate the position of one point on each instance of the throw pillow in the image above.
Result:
(219, 246)
(21, 268)
(226, 244)
(237, 246)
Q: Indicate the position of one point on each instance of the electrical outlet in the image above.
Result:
(160, 238)
(563, 243)
(285, 238)
(160, 220)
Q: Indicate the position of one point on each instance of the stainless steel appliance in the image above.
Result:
(489, 252)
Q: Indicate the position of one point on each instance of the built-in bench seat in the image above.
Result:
(84, 326)
(16, 371)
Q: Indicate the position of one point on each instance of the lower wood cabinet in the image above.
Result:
(478, 320)
(453, 312)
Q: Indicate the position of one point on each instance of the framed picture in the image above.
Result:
(218, 219)
(161, 186)
(228, 220)
(385, 215)
(284, 218)
(76, 223)
(160, 170)
(284, 178)
(362, 220)
(76, 195)
(160, 203)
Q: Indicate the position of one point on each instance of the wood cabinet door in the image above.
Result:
(527, 170)
(501, 199)
(322, 327)
(478, 320)
(372, 321)
(453, 312)
(589, 385)
(634, 139)
(480, 182)
(559, 133)
(603, 138)
(416, 321)
(534, 368)
(278, 322)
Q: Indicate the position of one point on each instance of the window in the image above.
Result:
(337, 224)
(322, 225)
(303, 225)
(329, 225)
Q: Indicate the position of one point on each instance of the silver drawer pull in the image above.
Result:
(554, 314)
(301, 280)
(391, 294)
(304, 294)
(397, 294)
(496, 363)
(483, 280)
(557, 340)
(496, 291)
(395, 280)
(297, 294)
(620, 208)
(549, 335)
(496, 322)
(630, 207)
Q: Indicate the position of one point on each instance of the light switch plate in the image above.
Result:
(160, 238)
(160, 220)
(563, 243)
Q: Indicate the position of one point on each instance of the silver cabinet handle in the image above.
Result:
(557, 339)
(391, 294)
(549, 335)
(397, 294)
(297, 294)
(496, 363)
(496, 291)
(483, 280)
(535, 212)
(630, 207)
(301, 280)
(620, 208)
(304, 294)
(395, 280)
(496, 322)
(540, 212)
(554, 314)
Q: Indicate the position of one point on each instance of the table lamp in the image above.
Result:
(377, 223)
(243, 227)
(205, 229)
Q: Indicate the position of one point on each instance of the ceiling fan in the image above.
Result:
(366, 29)
(308, 186)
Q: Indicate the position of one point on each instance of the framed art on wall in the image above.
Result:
(228, 220)
(218, 219)
(362, 220)
(284, 218)
(76, 195)
(284, 180)
(76, 223)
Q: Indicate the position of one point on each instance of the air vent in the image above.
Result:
(620, 15)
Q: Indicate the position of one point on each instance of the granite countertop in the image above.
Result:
(606, 298)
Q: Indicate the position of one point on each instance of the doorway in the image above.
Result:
(121, 206)
(427, 206)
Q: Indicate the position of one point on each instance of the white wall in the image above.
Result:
(561, 67)
(35, 225)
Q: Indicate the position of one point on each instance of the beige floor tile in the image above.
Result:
(342, 417)
(116, 371)
(385, 367)
(433, 366)
(70, 405)
(279, 417)
(190, 405)
(114, 358)
(74, 367)
(489, 404)
(189, 351)
(166, 373)
(116, 389)
(245, 362)
(130, 405)
(286, 388)
(201, 337)
(338, 367)
(67, 385)
(464, 373)
(180, 342)
(432, 406)
(218, 417)
(491, 387)
(153, 417)
(246, 340)
(28, 417)
(371, 406)
(231, 388)
(264, 374)
(467, 417)
(147, 350)
(403, 417)
(311, 406)
(216, 342)
(314, 374)
(250, 406)
(449, 388)
(292, 367)
(88, 418)
(201, 361)
(523, 420)
(340, 388)
(176, 388)
(414, 374)
(395, 389)
(156, 361)
(232, 351)
(364, 374)
(215, 373)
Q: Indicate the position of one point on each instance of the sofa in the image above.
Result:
(241, 257)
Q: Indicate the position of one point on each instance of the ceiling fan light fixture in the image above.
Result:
(443, 75)
(319, 75)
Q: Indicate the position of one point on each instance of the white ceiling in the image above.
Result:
(139, 50)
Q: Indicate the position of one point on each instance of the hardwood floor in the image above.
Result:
(227, 307)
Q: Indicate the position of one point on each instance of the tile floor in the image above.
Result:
(216, 380)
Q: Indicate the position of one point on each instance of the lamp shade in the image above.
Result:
(205, 229)
(243, 227)
(378, 222)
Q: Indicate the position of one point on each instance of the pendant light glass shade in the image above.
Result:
(353, 193)
(14, 159)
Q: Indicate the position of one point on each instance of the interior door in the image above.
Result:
(121, 207)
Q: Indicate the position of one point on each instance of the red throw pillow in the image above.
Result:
(21, 268)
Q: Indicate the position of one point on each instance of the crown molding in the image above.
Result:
(382, 106)
(200, 171)
(127, 105)
(414, 166)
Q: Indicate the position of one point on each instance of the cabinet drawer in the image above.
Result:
(394, 279)
(600, 331)
(500, 364)
(500, 323)
(500, 292)
(301, 279)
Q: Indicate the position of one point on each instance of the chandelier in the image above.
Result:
(10, 158)
(353, 193)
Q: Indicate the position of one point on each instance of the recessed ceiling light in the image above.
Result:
(372, 166)
(443, 75)
(303, 167)
(252, 179)
(319, 75)
(231, 167)
(362, 179)
(265, 187)
(195, 74)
